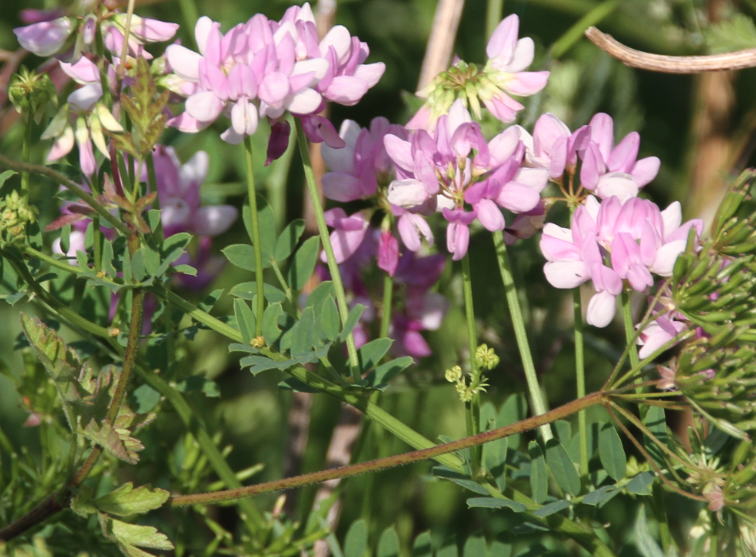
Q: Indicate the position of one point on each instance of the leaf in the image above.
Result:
(248, 291)
(611, 453)
(494, 503)
(552, 508)
(352, 320)
(475, 546)
(735, 33)
(266, 222)
(140, 536)
(388, 544)
(561, 467)
(330, 323)
(82, 503)
(539, 479)
(422, 545)
(117, 442)
(5, 175)
(243, 256)
(514, 409)
(318, 296)
(245, 320)
(459, 479)
(380, 377)
(288, 239)
(295, 385)
(270, 329)
(601, 495)
(264, 364)
(144, 399)
(137, 266)
(371, 353)
(644, 541)
(303, 264)
(448, 551)
(656, 422)
(641, 484)
(355, 542)
(195, 383)
(126, 500)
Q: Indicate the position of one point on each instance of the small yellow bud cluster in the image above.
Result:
(465, 391)
(15, 214)
(486, 358)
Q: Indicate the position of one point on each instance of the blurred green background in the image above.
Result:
(702, 129)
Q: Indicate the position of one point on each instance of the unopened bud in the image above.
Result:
(257, 342)
(485, 357)
(453, 374)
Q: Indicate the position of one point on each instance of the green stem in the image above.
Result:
(96, 232)
(26, 155)
(388, 292)
(494, 10)
(473, 406)
(257, 245)
(627, 315)
(575, 33)
(325, 239)
(152, 182)
(282, 281)
(71, 185)
(190, 15)
(580, 378)
(539, 407)
(660, 510)
(392, 461)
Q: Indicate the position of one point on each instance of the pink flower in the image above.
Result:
(614, 170)
(348, 234)
(45, 38)
(552, 146)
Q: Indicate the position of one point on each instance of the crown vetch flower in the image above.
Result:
(610, 242)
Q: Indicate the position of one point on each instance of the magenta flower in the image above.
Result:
(348, 233)
(552, 146)
(610, 242)
(45, 38)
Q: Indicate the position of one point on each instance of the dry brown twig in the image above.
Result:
(671, 64)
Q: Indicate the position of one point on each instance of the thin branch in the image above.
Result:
(393, 461)
(737, 60)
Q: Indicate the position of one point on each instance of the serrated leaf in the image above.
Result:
(641, 484)
(330, 323)
(245, 320)
(494, 503)
(126, 500)
(561, 467)
(371, 353)
(303, 264)
(611, 453)
(243, 256)
(355, 542)
(288, 239)
(136, 535)
(539, 479)
(388, 544)
(117, 442)
(552, 508)
(386, 372)
(735, 33)
(351, 322)
(82, 503)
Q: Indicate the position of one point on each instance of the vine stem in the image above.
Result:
(393, 461)
(58, 501)
(580, 378)
(473, 406)
(71, 185)
(257, 245)
(325, 239)
(505, 268)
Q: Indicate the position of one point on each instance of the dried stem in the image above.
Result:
(672, 64)
(441, 42)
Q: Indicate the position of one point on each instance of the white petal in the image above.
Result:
(185, 62)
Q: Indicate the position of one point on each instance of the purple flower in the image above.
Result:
(45, 38)
(348, 234)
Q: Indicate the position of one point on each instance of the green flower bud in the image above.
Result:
(485, 357)
(453, 374)
(32, 93)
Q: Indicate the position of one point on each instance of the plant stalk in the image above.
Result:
(505, 268)
(388, 293)
(580, 379)
(257, 245)
(472, 407)
(325, 239)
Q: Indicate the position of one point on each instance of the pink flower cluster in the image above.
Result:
(457, 166)
(610, 242)
(280, 65)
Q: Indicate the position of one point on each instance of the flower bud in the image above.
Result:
(485, 357)
(453, 374)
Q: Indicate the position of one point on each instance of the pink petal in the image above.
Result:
(339, 38)
(527, 83)
(504, 38)
(185, 123)
(44, 38)
(274, 89)
(204, 106)
(346, 90)
(407, 193)
(601, 309)
(565, 274)
(645, 170)
(617, 184)
(503, 107)
(624, 155)
(400, 152)
(342, 187)
(517, 197)
(490, 215)
(370, 73)
(457, 239)
(602, 133)
(388, 253)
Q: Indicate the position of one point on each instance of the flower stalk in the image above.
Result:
(580, 378)
(257, 245)
(473, 405)
(521, 336)
(325, 239)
